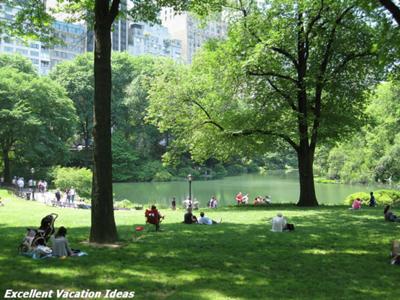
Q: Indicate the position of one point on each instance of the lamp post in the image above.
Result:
(33, 183)
(190, 187)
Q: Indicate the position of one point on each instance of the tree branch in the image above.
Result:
(283, 94)
(273, 74)
(310, 27)
(350, 57)
(392, 8)
(114, 10)
(247, 132)
(286, 54)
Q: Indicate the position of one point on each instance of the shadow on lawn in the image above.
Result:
(331, 255)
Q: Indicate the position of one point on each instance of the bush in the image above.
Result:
(382, 197)
(163, 175)
(79, 178)
(125, 204)
(236, 169)
(148, 170)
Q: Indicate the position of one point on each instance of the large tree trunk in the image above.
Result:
(305, 157)
(6, 167)
(103, 228)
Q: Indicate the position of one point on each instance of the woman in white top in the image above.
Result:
(278, 223)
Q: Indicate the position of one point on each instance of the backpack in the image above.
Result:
(290, 227)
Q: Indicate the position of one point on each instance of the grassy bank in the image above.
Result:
(333, 254)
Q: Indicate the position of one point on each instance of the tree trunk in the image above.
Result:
(103, 228)
(305, 157)
(6, 167)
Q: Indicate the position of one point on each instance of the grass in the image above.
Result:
(334, 253)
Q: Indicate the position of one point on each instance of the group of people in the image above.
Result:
(189, 218)
(259, 200)
(213, 202)
(357, 203)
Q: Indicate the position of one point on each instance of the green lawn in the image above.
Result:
(333, 254)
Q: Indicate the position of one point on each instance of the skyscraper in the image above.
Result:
(190, 31)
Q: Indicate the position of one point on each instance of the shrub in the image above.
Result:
(163, 175)
(236, 169)
(126, 204)
(382, 197)
(79, 178)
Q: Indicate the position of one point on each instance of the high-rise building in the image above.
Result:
(190, 31)
(155, 40)
(42, 56)
(119, 34)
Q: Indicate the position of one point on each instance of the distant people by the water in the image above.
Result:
(262, 201)
(154, 217)
(58, 195)
(188, 203)
(189, 218)
(173, 203)
(356, 204)
(1, 202)
(206, 220)
(372, 201)
(245, 199)
(213, 202)
(389, 215)
(239, 198)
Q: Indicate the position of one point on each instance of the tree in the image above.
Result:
(36, 115)
(295, 72)
(102, 14)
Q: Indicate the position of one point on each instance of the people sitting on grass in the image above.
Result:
(278, 223)
(239, 198)
(356, 204)
(154, 217)
(372, 201)
(395, 253)
(245, 199)
(390, 216)
(189, 218)
(60, 245)
(206, 220)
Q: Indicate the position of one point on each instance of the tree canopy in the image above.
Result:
(292, 72)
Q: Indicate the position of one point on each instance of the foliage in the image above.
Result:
(163, 175)
(125, 159)
(36, 115)
(294, 73)
(372, 154)
(382, 197)
(79, 178)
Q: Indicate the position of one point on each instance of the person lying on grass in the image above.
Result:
(153, 216)
(390, 216)
(206, 220)
(189, 218)
(60, 243)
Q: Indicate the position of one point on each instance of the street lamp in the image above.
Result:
(190, 186)
(33, 183)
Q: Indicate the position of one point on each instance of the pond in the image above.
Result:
(281, 186)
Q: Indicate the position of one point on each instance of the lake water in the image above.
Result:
(282, 187)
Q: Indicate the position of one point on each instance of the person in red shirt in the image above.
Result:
(153, 216)
(239, 198)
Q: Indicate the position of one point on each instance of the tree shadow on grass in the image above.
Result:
(331, 255)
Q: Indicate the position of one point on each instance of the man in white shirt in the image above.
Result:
(206, 220)
(278, 223)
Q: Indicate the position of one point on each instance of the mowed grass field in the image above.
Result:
(334, 253)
